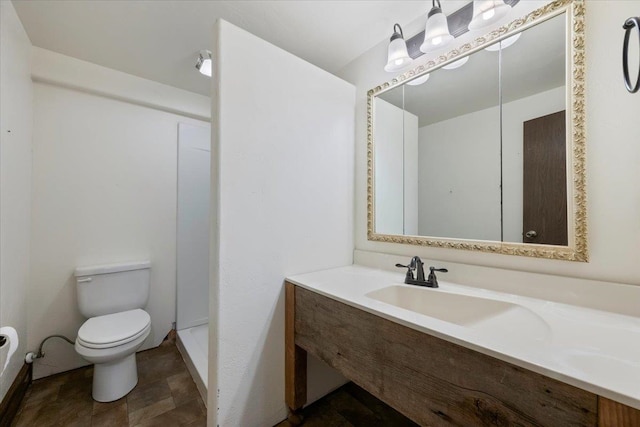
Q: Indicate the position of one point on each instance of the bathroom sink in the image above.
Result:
(483, 315)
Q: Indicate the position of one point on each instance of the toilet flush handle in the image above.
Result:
(85, 280)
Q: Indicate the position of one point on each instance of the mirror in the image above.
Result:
(486, 151)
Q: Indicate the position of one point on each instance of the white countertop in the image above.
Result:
(594, 350)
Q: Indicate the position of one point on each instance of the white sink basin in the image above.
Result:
(485, 316)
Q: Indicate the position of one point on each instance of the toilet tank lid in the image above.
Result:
(111, 268)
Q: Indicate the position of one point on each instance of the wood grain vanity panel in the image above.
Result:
(612, 414)
(430, 380)
(295, 357)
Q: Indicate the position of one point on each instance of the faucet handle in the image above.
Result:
(409, 275)
(433, 280)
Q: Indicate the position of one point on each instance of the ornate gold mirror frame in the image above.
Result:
(577, 220)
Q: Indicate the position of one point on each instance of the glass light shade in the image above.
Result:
(456, 64)
(204, 63)
(205, 67)
(398, 57)
(419, 80)
(487, 12)
(436, 32)
(504, 43)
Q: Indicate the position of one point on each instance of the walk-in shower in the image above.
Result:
(192, 311)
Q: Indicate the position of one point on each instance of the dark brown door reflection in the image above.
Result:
(545, 182)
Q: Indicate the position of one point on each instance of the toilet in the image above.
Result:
(112, 297)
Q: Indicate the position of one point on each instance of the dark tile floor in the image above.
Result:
(165, 396)
(351, 406)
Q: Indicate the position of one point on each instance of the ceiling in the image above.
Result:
(159, 39)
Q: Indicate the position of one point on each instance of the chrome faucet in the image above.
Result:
(416, 265)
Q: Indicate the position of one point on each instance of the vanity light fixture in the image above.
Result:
(436, 32)
(503, 43)
(397, 58)
(441, 29)
(204, 62)
(456, 64)
(419, 80)
(487, 12)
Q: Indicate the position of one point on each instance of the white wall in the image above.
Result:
(613, 154)
(461, 174)
(396, 169)
(16, 93)
(283, 192)
(104, 191)
(66, 71)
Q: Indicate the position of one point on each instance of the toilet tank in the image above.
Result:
(106, 289)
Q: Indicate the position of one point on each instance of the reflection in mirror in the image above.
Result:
(396, 141)
(451, 152)
(534, 135)
(492, 144)
(459, 150)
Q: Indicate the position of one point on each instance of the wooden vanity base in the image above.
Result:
(430, 380)
(611, 413)
(295, 359)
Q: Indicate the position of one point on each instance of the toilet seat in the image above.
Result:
(112, 330)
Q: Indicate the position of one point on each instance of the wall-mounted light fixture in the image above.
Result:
(436, 32)
(487, 12)
(397, 56)
(204, 63)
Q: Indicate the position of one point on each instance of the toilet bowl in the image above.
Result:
(112, 297)
(110, 343)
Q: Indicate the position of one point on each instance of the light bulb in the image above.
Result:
(204, 63)
(397, 56)
(205, 68)
(488, 14)
(436, 31)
